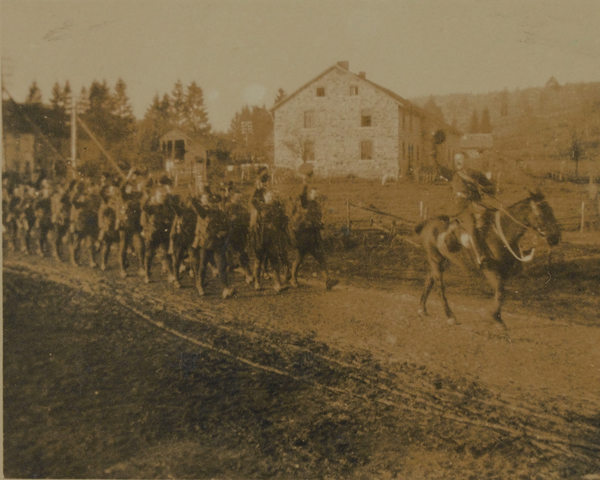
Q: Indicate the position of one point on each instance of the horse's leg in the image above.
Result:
(496, 281)
(298, 257)
(123, 245)
(258, 260)
(449, 314)
(200, 277)
(92, 245)
(74, 246)
(429, 281)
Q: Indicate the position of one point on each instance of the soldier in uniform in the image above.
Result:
(469, 188)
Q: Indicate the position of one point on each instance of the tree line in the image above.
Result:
(108, 113)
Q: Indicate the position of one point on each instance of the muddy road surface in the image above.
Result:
(112, 378)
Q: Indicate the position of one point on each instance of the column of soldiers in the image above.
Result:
(141, 214)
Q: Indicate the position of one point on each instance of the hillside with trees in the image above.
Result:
(548, 125)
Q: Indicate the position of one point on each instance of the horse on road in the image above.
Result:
(443, 244)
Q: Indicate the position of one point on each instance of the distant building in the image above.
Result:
(345, 124)
(25, 148)
(476, 145)
(185, 157)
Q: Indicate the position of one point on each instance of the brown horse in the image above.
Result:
(443, 245)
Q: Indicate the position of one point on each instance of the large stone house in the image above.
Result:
(345, 124)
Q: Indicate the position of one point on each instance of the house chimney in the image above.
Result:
(344, 64)
(362, 74)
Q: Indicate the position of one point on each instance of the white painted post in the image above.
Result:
(421, 210)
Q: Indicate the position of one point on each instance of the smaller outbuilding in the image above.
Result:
(185, 157)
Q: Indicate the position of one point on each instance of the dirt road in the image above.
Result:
(131, 380)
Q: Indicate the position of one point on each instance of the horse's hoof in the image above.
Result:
(176, 284)
(191, 274)
(451, 321)
(294, 284)
(142, 272)
(249, 279)
(423, 312)
(201, 291)
(280, 288)
(123, 274)
(171, 278)
(102, 267)
(228, 293)
(330, 284)
(257, 286)
(146, 280)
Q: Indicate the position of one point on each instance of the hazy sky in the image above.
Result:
(241, 51)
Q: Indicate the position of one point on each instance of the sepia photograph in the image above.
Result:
(300, 239)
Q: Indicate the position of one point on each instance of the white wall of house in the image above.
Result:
(336, 129)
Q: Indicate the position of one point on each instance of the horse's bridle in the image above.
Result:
(500, 233)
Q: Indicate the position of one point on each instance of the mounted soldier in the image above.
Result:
(212, 229)
(471, 189)
(108, 221)
(61, 208)
(83, 226)
(129, 213)
(159, 216)
(306, 225)
(42, 209)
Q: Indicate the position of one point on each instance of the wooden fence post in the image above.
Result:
(348, 214)
(582, 216)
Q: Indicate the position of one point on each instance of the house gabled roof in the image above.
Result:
(402, 102)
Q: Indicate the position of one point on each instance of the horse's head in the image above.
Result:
(542, 219)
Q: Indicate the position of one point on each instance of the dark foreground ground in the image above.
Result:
(111, 379)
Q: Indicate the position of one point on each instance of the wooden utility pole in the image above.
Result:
(97, 142)
(74, 137)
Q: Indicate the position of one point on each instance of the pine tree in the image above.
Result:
(195, 117)
(122, 107)
(34, 95)
(474, 125)
(486, 124)
(57, 101)
(67, 96)
(433, 108)
(504, 103)
(281, 95)
(83, 101)
(177, 103)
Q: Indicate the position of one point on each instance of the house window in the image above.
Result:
(179, 150)
(309, 119)
(309, 151)
(366, 150)
(365, 118)
(320, 92)
(353, 90)
(169, 148)
(403, 151)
